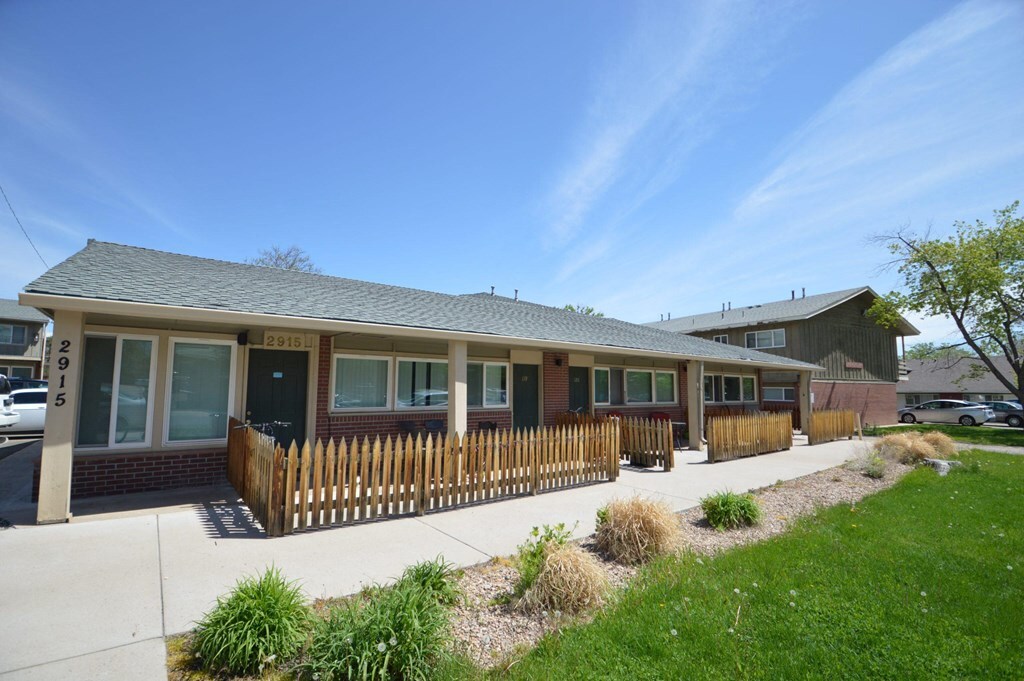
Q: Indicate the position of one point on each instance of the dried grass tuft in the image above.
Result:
(635, 530)
(906, 448)
(570, 580)
(942, 443)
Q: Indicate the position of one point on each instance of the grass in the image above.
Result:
(975, 435)
(912, 583)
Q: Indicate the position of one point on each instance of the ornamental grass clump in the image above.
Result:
(636, 530)
(729, 510)
(437, 577)
(532, 552)
(262, 622)
(942, 443)
(906, 448)
(395, 632)
(570, 580)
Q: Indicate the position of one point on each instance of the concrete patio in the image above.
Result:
(96, 597)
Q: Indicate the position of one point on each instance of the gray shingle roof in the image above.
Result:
(940, 376)
(109, 271)
(13, 310)
(778, 311)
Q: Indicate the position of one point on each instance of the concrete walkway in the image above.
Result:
(93, 599)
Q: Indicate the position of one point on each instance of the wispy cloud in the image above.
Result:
(664, 94)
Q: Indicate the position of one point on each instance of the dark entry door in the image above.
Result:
(277, 392)
(525, 396)
(579, 389)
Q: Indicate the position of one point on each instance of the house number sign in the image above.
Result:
(284, 340)
(63, 350)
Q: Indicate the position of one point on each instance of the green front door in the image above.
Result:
(579, 389)
(277, 392)
(525, 396)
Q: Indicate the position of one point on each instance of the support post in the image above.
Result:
(806, 403)
(458, 392)
(61, 412)
(695, 404)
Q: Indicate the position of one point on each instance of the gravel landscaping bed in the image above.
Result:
(492, 631)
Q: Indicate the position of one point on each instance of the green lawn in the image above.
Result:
(923, 581)
(975, 435)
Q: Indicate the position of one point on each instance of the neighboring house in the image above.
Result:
(832, 330)
(153, 351)
(22, 340)
(953, 379)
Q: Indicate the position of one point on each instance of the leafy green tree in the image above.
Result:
(291, 258)
(974, 277)
(936, 351)
(584, 309)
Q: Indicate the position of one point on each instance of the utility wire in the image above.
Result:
(22, 227)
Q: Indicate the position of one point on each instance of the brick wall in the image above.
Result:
(875, 402)
(556, 385)
(93, 476)
(330, 425)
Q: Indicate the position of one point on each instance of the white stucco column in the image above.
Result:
(61, 412)
(458, 393)
(695, 404)
(806, 402)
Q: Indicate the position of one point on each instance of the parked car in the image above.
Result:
(8, 417)
(30, 404)
(22, 383)
(1010, 413)
(947, 411)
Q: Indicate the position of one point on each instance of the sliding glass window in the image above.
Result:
(200, 390)
(116, 405)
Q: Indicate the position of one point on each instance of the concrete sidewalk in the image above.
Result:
(95, 599)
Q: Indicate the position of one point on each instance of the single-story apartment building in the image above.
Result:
(954, 378)
(152, 352)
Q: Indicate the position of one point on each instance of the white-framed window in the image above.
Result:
(779, 394)
(914, 399)
(722, 339)
(421, 384)
(200, 390)
(487, 384)
(13, 334)
(760, 340)
(115, 406)
(20, 372)
(729, 388)
(360, 382)
(615, 386)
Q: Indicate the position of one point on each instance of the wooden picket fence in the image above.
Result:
(733, 437)
(831, 424)
(644, 442)
(251, 467)
(348, 481)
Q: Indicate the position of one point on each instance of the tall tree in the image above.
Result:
(974, 277)
(936, 351)
(584, 309)
(291, 258)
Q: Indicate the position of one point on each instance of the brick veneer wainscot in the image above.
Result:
(556, 385)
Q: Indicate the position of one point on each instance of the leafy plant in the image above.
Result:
(875, 467)
(727, 510)
(636, 530)
(531, 553)
(436, 577)
(262, 622)
(602, 516)
(395, 632)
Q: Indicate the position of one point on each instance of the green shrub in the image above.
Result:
(727, 510)
(395, 632)
(532, 553)
(263, 621)
(437, 577)
(602, 516)
(868, 463)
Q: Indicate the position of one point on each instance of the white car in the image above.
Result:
(947, 411)
(8, 417)
(30, 404)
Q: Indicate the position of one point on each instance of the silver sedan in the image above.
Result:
(947, 411)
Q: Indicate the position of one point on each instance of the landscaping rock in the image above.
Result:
(941, 466)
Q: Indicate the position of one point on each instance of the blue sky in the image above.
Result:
(642, 158)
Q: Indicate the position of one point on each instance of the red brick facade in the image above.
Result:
(555, 385)
(875, 402)
(143, 472)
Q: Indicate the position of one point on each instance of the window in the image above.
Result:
(721, 339)
(638, 387)
(12, 334)
(487, 384)
(613, 386)
(759, 340)
(361, 382)
(780, 394)
(21, 372)
(200, 390)
(421, 383)
(914, 399)
(116, 405)
(725, 388)
(666, 386)
(601, 395)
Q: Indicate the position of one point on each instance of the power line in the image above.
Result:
(22, 227)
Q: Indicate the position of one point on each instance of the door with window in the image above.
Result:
(277, 392)
(525, 396)
(579, 389)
